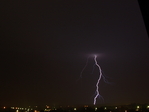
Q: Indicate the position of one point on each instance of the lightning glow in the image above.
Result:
(100, 75)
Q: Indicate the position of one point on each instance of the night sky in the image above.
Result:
(44, 46)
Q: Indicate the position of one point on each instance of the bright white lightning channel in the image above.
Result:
(100, 75)
(97, 94)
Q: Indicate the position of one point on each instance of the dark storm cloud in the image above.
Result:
(45, 44)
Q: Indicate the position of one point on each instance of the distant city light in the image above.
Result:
(105, 108)
(75, 109)
(138, 107)
(4, 107)
(115, 107)
(47, 106)
(95, 108)
(47, 110)
(12, 107)
(125, 110)
(85, 105)
(148, 106)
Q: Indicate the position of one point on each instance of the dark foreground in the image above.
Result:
(86, 108)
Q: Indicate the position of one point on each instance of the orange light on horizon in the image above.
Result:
(85, 105)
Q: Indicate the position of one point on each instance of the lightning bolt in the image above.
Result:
(83, 69)
(100, 75)
(97, 94)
